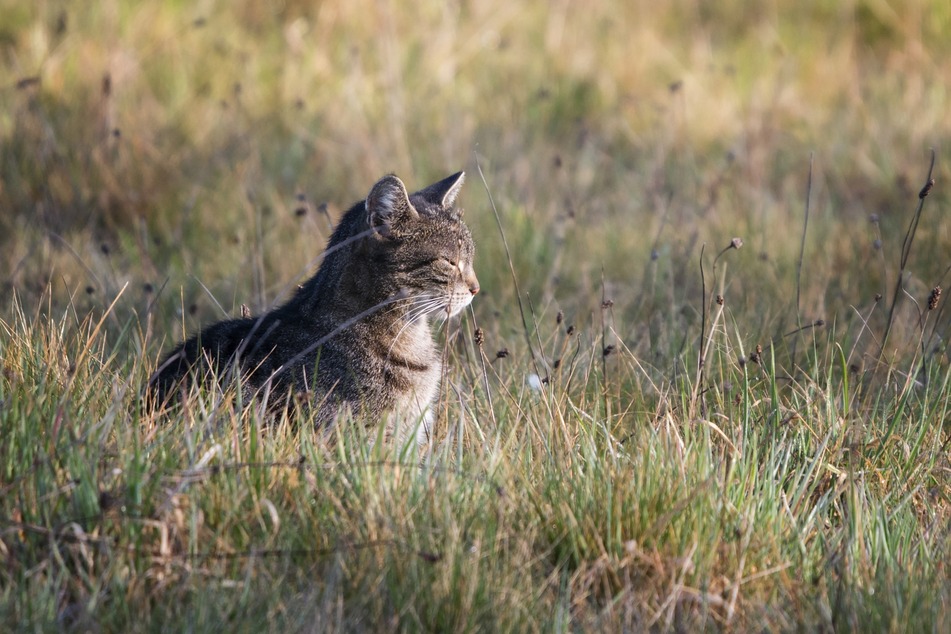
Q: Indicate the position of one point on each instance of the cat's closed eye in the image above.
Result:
(447, 263)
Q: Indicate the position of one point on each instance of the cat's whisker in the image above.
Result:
(425, 304)
(412, 300)
(421, 308)
(418, 313)
(389, 351)
(422, 304)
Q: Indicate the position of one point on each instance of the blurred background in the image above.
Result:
(198, 153)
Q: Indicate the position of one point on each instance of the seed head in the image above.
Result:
(720, 300)
(926, 189)
(934, 297)
(107, 501)
(570, 330)
(245, 311)
(560, 317)
(479, 337)
(608, 350)
(608, 303)
(501, 354)
(736, 243)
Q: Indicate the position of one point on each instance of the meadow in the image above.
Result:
(705, 386)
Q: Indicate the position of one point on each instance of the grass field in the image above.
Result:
(713, 388)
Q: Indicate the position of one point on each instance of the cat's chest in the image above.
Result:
(413, 376)
(413, 407)
(411, 366)
(424, 390)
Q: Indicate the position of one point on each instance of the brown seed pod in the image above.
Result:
(934, 297)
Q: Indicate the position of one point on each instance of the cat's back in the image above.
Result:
(200, 355)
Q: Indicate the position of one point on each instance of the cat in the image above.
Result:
(356, 336)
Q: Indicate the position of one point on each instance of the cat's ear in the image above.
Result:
(445, 192)
(387, 203)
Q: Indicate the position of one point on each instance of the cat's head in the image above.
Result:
(421, 240)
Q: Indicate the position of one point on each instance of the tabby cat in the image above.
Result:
(356, 336)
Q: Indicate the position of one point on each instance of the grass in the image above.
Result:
(641, 456)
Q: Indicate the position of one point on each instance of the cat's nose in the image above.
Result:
(474, 287)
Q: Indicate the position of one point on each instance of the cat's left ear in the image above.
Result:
(388, 203)
(445, 192)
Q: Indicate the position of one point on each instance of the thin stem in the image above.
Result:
(906, 249)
